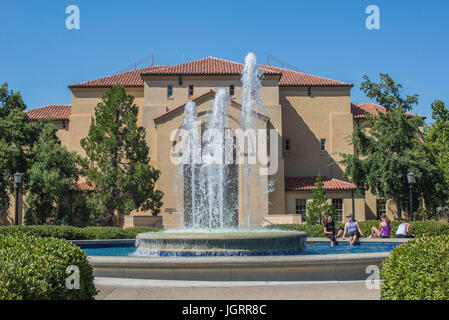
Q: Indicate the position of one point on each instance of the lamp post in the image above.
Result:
(17, 181)
(411, 182)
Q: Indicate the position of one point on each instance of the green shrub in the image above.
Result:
(417, 270)
(34, 268)
(73, 233)
(418, 228)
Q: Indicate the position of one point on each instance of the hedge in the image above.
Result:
(418, 228)
(417, 270)
(73, 233)
(34, 268)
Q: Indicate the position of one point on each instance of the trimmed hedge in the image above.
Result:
(417, 270)
(34, 268)
(418, 228)
(73, 233)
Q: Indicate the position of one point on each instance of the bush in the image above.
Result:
(34, 268)
(73, 233)
(418, 228)
(417, 270)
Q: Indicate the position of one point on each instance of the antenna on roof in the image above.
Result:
(283, 64)
(134, 65)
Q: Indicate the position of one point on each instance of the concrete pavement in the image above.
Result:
(135, 289)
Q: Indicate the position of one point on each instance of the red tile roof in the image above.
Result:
(59, 112)
(210, 66)
(127, 79)
(291, 78)
(363, 110)
(308, 183)
(206, 66)
(83, 186)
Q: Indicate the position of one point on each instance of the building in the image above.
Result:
(314, 117)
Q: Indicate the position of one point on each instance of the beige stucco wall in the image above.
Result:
(325, 114)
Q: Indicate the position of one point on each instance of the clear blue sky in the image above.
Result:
(40, 57)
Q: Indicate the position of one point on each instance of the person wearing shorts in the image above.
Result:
(331, 231)
(352, 228)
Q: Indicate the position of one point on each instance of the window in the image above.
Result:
(191, 91)
(338, 208)
(231, 90)
(287, 145)
(323, 144)
(169, 91)
(381, 208)
(301, 206)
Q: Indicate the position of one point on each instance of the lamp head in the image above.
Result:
(17, 178)
(411, 178)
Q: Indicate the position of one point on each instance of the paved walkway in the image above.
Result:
(134, 289)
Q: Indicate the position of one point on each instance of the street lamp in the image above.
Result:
(17, 181)
(411, 182)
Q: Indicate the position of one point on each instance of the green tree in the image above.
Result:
(53, 175)
(437, 139)
(319, 208)
(17, 138)
(117, 163)
(390, 145)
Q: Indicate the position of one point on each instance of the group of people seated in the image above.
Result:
(352, 229)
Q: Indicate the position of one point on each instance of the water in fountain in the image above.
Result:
(210, 205)
(251, 103)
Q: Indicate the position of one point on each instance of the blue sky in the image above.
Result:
(40, 57)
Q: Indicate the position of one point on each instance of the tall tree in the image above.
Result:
(319, 208)
(388, 146)
(117, 163)
(437, 139)
(51, 177)
(17, 138)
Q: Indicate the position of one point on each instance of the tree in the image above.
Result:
(437, 139)
(18, 135)
(390, 145)
(52, 176)
(319, 208)
(117, 163)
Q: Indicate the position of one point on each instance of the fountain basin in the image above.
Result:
(221, 242)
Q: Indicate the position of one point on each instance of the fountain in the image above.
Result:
(211, 185)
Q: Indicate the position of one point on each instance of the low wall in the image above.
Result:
(335, 267)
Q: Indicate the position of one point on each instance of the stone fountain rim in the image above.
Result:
(220, 236)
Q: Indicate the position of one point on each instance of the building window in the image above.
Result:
(323, 144)
(287, 145)
(169, 91)
(338, 209)
(301, 206)
(381, 208)
(231, 90)
(191, 91)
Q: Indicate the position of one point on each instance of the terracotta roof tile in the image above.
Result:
(210, 66)
(127, 79)
(59, 112)
(308, 183)
(291, 78)
(206, 66)
(363, 110)
(83, 186)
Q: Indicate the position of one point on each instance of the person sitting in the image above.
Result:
(384, 229)
(352, 228)
(331, 231)
(404, 230)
